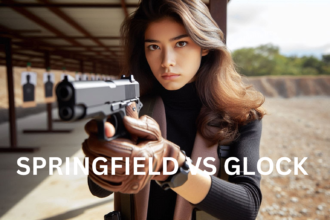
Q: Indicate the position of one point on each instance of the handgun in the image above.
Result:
(102, 100)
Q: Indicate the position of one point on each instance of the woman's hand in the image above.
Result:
(151, 144)
(91, 128)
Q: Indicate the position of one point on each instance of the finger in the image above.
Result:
(145, 127)
(109, 129)
(91, 128)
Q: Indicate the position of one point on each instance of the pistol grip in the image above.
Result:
(117, 122)
(117, 119)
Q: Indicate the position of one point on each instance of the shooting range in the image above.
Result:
(52, 37)
(43, 41)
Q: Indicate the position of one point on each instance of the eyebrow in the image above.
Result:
(172, 39)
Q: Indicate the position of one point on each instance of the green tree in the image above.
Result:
(326, 59)
(326, 64)
(256, 61)
(266, 60)
(311, 62)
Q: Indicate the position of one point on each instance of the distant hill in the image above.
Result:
(291, 86)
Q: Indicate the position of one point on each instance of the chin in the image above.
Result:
(172, 85)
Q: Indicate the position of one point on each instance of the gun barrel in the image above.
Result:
(71, 113)
(76, 97)
(100, 92)
(64, 93)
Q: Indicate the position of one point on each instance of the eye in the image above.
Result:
(181, 44)
(153, 47)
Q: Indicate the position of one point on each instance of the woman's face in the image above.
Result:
(174, 58)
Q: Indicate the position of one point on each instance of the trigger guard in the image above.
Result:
(120, 130)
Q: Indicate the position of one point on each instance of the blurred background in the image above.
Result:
(281, 47)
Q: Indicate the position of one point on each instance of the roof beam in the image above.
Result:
(40, 64)
(47, 26)
(60, 52)
(42, 23)
(65, 49)
(74, 24)
(22, 31)
(124, 6)
(64, 46)
(66, 5)
(40, 56)
(40, 46)
(56, 63)
(65, 37)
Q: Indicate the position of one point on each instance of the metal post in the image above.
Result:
(49, 116)
(11, 100)
(218, 9)
(10, 88)
(49, 105)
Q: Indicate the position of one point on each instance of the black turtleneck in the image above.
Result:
(181, 108)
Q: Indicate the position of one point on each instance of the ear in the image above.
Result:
(205, 52)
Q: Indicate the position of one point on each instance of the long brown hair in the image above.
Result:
(227, 102)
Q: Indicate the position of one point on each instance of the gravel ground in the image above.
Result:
(296, 127)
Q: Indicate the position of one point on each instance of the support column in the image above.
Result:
(11, 96)
(11, 101)
(49, 105)
(218, 9)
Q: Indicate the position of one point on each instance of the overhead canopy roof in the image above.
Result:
(72, 30)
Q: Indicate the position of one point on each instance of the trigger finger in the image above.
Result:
(109, 129)
(91, 128)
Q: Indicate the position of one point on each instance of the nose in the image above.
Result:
(168, 59)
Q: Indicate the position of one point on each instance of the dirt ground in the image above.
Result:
(291, 86)
(296, 127)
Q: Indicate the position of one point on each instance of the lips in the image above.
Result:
(170, 76)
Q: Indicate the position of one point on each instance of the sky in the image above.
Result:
(298, 27)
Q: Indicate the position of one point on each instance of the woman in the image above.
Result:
(175, 50)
